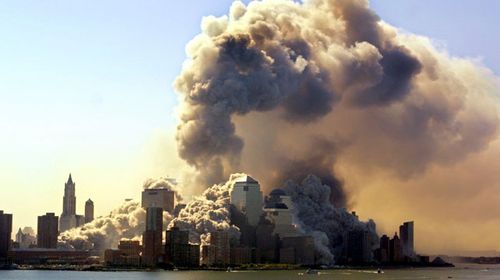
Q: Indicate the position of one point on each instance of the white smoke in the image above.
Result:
(209, 212)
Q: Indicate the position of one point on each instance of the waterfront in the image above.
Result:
(463, 272)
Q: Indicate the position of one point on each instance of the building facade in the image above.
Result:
(69, 219)
(153, 236)
(5, 234)
(89, 211)
(246, 196)
(162, 198)
(47, 231)
(407, 239)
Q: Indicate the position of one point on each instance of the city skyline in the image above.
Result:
(112, 124)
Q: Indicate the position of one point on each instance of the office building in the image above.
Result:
(153, 236)
(407, 242)
(358, 248)
(395, 250)
(282, 218)
(178, 251)
(47, 231)
(221, 248)
(128, 254)
(89, 211)
(246, 196)
(5, 234)
(162, 198)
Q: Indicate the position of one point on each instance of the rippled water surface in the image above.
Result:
(473, 272)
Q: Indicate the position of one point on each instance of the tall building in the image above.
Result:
(89, 211)
(153, 236)
(220, 242)
(247, 198)
(163, 198)
(69, 219)
(5, 234)
(407, 242)
(358, 247)
(278, 211)
(395, 250)
(178, 251)
(47, 231)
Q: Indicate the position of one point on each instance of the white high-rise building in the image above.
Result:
(247, 198)
(279, 211)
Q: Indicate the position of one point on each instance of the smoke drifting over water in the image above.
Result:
(264, 85)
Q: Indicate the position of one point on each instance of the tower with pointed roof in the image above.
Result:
(69, 200)
(69, 219)
(247, 198)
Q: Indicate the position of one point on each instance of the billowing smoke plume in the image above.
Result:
(264, 85)
(208, 212)
(125, 222)
(318, 217)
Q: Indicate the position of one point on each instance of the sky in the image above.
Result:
(86, 88)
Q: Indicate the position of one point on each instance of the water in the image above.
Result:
(475, 272)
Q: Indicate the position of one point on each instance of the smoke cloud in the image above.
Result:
(208, 212)
(125, 222)
(318, 217)
(281, 90)
(292, 74)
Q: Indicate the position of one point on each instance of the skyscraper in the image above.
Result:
(69, 219)
(406, 234)
(47, 231)
(220, 240)
(152, 237)
(178, 251)
(163, 198)
(89, 211)
(5, 234)
(247, 198)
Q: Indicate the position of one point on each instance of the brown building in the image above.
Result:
(47, 231)
(395, 249)
(220, 240)
(152, 238)
(48, 256)
(178, 251)
(5, 234)
(128, 254)
(130, 247)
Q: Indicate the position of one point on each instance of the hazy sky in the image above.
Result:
(86, 88)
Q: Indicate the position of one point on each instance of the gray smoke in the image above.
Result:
(262, 85)
(318, 217)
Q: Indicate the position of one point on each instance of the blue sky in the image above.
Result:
(86, 87)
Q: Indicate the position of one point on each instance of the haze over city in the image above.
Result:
(89, 90)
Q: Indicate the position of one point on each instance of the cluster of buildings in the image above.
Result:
(43, 248)
(399, 249)
(267, 227)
